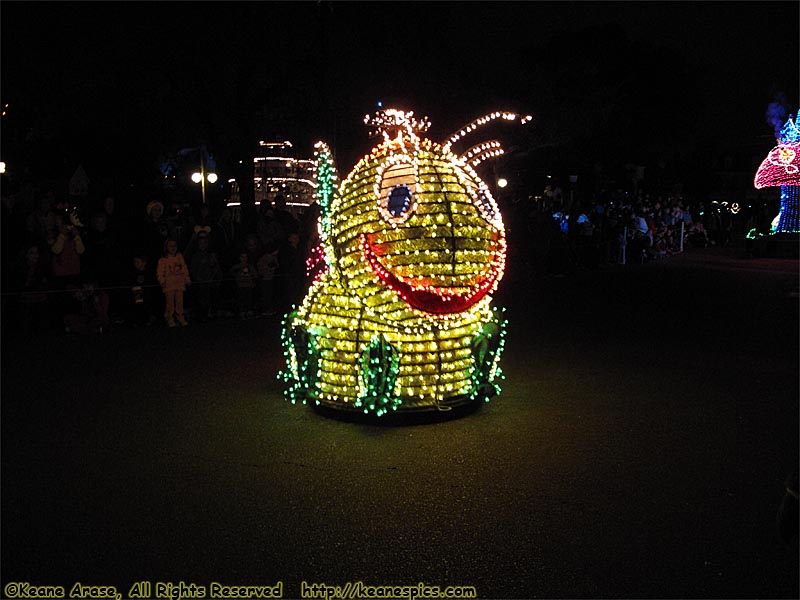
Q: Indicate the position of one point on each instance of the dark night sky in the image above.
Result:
(112, 83)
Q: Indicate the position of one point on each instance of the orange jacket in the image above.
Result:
(173, 274)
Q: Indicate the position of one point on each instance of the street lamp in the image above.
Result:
(203, 175)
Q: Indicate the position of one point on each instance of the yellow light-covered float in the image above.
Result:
(401, 317)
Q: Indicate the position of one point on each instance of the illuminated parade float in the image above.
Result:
(401, 318)
(780, 169)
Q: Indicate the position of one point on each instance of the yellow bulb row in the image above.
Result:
(338, 392)
(383, 309)
(461, 260)
(418, 374)
(418, 238)
(446, 272)
(479, 255)
(341, 355)
(406, 337)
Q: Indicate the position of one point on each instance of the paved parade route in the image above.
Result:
(639, 449)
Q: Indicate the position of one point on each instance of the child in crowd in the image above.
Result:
(92, 316)
(140, 309)
(206, 273)
(245, 276)
(173, 275)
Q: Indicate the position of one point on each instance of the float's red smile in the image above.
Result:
(439, 301)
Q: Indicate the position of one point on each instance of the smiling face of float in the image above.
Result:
(414, 220)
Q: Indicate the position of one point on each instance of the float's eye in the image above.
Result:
(395, 188)
(399, 200)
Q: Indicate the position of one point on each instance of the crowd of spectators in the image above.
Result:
(172, 266)
(620, 228)
(87, 269)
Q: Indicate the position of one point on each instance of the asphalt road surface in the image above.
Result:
(648, 420)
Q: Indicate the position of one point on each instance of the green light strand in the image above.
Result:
(326, 186)
(301, 351)
(379, 368)
(487, 347)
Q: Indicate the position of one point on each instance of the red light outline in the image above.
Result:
(426, 298)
